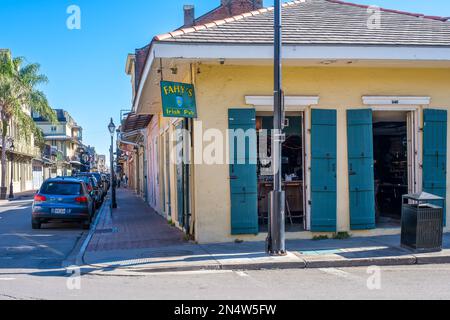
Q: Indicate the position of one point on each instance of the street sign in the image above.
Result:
(178, 100)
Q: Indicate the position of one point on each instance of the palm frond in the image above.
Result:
(29, 75)
(18, 90)
(40, 104)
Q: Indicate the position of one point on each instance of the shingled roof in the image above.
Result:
(320, 22)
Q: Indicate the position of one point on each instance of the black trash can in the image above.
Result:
(422, 222)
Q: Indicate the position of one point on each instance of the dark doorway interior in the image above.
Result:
(391, 170)
(292, 173)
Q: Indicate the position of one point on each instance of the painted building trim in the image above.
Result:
(396, 100)
(291, 103)
(299, 52)
(326, 53)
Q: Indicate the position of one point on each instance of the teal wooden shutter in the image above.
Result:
(323, 170)
(243, 174)
(361, 170)
(435, 153)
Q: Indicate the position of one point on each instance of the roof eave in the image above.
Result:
(208, 50)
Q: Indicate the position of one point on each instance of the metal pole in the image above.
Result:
(11, 186)
(276, 240)
(113, 177)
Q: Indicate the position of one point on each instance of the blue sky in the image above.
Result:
(86, 67)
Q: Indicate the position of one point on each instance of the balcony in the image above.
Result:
(25, 149)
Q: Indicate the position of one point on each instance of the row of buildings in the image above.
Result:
(62, 154)
(366, 99)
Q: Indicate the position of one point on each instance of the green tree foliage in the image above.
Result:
(19, 94)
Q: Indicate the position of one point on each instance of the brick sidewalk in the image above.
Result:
(134, 225)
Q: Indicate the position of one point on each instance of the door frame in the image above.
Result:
(417, 154)
(179, 170)
(304, 114)
(307, 125)
(304, 105)
(186, 173)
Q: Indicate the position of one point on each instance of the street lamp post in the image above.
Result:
(83, 166)
(276, 238)
(112, 129)
(11, 185)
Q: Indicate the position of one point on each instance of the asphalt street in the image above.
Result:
(33, 251)
(31, 268)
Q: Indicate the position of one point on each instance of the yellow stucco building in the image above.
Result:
(367, 111)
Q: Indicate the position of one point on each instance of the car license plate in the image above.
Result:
(59, 211)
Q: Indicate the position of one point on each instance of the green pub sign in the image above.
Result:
(178, 100)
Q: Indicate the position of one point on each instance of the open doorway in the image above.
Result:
(293, 177)
(391, 165)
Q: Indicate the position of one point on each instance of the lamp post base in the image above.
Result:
(11, 192)
(3, 191)
(276, 241)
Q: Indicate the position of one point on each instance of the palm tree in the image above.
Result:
(18, 96)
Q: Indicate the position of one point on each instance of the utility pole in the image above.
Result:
(276, 239)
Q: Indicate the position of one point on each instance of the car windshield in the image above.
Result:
(87, 176)
(62, 188)
(86, 179)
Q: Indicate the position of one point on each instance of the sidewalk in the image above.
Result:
(133, 225)
(137, 239)
(27, 195)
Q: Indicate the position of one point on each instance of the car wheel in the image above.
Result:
(36, 225)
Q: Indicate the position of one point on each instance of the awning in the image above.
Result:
(135, 122)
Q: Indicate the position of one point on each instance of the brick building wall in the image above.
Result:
(229, 8)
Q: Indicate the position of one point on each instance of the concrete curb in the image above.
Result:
(79, 260)
(364, 262)
(226, 267)
(302, 264)
(70, 260)
(219, 267)
(433, 260)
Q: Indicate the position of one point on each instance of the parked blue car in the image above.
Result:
(63, 199)
(99, 179)
(93, 188)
